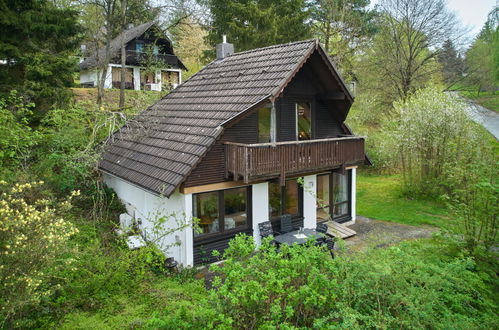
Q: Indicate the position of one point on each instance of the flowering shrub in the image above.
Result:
(32, 237)
(431, 138)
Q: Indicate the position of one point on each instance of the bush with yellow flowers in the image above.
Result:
(33, 239)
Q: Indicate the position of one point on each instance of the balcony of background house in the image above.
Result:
(134, 57)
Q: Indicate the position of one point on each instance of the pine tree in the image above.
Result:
(36, 45)
(250, 24)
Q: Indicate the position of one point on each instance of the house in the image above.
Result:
(228, 145)
(151, 63)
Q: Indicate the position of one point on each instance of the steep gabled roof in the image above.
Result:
(162, 145)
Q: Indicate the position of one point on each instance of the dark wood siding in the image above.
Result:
(203, 249)
(326, 124)
(212, 168)
(286, 119)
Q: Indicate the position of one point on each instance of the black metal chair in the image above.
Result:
(266, 230)
(286, 224)
(329, 242)
(326, 240)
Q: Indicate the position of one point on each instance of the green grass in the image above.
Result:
(380, 197)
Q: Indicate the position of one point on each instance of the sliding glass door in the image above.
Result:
(334, 196)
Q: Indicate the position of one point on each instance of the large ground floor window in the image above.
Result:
(222, 211)
(285, 199)
(334, 196)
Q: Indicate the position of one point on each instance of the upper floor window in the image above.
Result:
(155, 50)
(139, 47)
(264, 123)
(303, 121)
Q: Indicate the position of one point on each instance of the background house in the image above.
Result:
(229, 145)
(151, 63)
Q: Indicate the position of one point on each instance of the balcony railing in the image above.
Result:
(254, 162)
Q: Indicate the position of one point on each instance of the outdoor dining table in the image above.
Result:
(297, 236)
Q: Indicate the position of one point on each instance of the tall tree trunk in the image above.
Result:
(123, 55)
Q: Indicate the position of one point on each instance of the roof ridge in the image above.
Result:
(273, 46)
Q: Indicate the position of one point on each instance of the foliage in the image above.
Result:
(482, 57)
(404, 51)
(433, 136)
(344, 27)
(253, 24)
(36, 42)
(453, 66)
(413, 285)
(477, 206)
(17, 138)
(33, 237)
(190, 45)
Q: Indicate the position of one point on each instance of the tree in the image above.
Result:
(403, 54)
(251, 24)
(452, 63)
(343, 26)
(36, 42)
(482, 58)
(190, 45)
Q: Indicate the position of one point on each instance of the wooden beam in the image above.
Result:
(331, 96)
(213, 187)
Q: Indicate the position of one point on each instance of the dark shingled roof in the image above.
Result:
(159, 148)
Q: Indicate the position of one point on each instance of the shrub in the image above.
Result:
(16, 136)
(432, 136)
(412, 285)
(33, 237)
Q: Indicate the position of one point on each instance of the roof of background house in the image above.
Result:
(159, 148)
(115, 46)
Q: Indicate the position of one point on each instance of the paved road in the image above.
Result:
(488, 118)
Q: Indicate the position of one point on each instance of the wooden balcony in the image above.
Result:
(260, 161)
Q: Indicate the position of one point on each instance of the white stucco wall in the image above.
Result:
(309, 201)
(354, 194)
(147, 208)
(260, 207)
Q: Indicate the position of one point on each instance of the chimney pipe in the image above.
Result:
(224, 49)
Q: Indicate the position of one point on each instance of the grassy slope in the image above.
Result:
(379, 197)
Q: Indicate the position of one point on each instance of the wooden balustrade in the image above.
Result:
(267, 160)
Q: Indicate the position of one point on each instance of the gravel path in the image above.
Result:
(378, 233)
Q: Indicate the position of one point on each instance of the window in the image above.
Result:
(139, 47)
(284, 200)
(333, 196)
(264, 123)
(303, 121)
(206, 209)
(220, 211)
(155, 50)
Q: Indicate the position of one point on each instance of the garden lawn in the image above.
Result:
(380, 197)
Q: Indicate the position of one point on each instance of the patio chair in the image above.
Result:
(329, 242)
(286, 224)
(266, 230)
